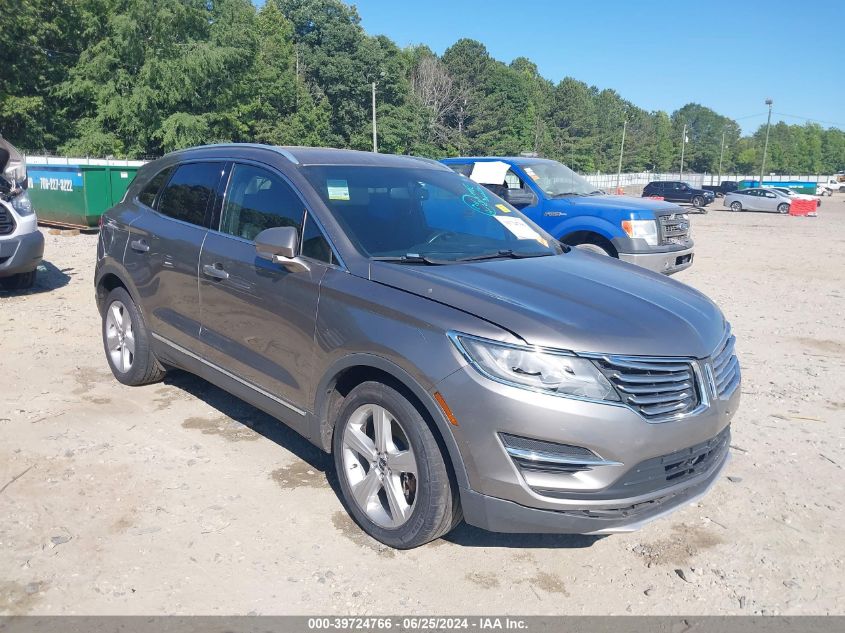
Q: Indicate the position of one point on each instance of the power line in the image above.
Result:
(811, 119)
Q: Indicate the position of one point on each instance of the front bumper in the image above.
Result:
(620, 496)
(667, 263)
(21, 253)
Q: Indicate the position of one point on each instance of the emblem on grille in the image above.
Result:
(711, 379)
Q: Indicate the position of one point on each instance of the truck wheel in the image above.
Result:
(393, 477)
(127, 342)
(593, 248)
(698, 201)
(21, 281)
(736, 205)
(783, 208)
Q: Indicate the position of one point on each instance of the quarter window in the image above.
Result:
(256, 200)
(150, 191)
(186, 197)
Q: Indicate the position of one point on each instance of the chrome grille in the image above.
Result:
(7, 222)
(659, 389)
(674, 228)
(725, 366)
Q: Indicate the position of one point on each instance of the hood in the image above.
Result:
(576, 301)
(617, 203)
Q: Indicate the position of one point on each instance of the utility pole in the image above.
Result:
(721, 154)
(621, 152)
(375, 136)
(766, 146)
(683, 147)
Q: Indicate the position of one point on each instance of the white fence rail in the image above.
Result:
(67, 160)
(608, 182)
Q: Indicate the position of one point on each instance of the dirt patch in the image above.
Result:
(344, 523)
(299, 475)
(17, 598)
(488, 581)
(822, 345)
(225, 427)
(677, 550)
(550, 583)
(87, 378)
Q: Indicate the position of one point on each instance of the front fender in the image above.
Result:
(591, 224)
(322, 427)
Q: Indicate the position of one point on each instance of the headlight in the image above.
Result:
(22, 204)
(643, 229)
(527, 367)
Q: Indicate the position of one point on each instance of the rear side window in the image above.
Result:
(314, 243)
(464, 169)
(186, 197)
(258, 199)
(150, 191)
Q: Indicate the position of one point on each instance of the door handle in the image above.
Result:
(216, 271)
(139, 245)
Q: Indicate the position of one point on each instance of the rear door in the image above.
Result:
(164, 247)
(258, 318)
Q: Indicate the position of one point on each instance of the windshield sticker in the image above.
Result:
(476, 199)
(503, 208)
(531, 173)
(519, 227)
(338, 189)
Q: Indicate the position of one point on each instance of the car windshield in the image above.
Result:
(558, 180)
(424, 216)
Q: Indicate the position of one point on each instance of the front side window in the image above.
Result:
(258, 199)
(406, 213)
(191, 189)
(558, 181)
(314, 243)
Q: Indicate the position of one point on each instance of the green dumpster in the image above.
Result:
(76, 195)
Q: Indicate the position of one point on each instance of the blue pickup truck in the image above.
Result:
(650, 233)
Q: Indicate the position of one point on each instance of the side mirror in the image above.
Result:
(279, 245)
(519, 198)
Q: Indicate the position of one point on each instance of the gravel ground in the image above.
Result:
(177, 498)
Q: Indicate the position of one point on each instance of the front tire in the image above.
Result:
(698, 202)
(126, 342)
(393, 477)
(736, 206)
(783, 208)
(21, 281)
(593, 248)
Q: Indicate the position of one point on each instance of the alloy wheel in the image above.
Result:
(380, 466)
(120, 337)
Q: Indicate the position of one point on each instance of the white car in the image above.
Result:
(21, 243)
(798, 196)
(758, 199)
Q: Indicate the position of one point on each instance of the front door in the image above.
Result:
(258, 318)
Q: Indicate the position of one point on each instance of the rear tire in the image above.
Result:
(783, 208)
(21, 281)
(736, 206)
(126, 342)
(394, 482)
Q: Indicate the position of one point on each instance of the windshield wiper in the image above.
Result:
(503, 253)
(412, 258)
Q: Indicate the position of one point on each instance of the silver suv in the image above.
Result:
(455, 360)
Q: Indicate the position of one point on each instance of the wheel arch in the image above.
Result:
(109, 277)
(591, 237)
(351, 371)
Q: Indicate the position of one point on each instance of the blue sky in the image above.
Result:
(728, 56)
